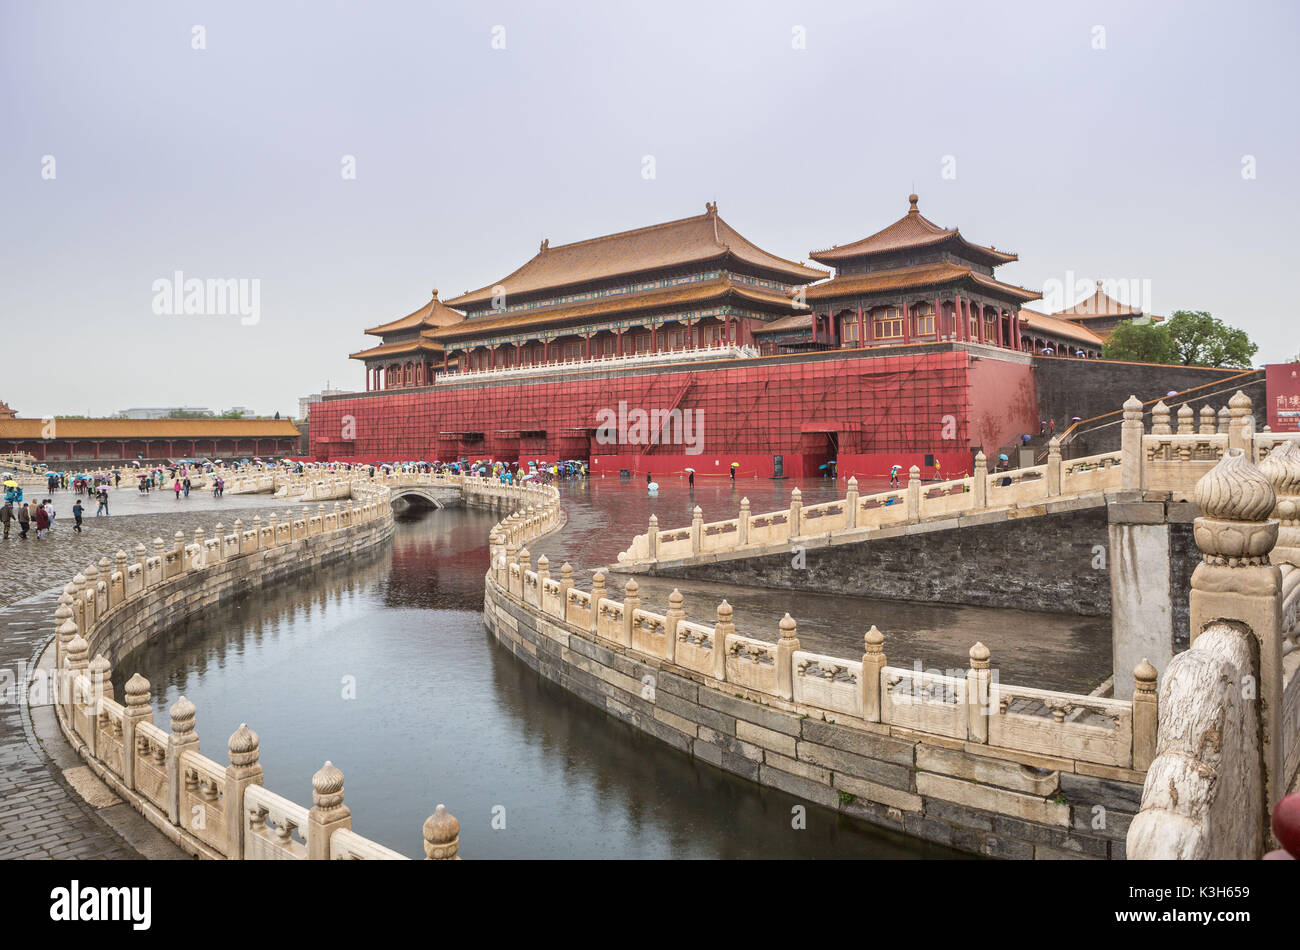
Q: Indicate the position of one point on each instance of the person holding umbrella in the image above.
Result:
(734, 466)
(690, 477)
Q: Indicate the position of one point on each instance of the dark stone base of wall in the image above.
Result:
(1040, 563)
(963, 795)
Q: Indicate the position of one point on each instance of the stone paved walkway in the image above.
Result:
(51, 804)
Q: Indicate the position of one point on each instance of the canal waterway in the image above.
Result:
(382, 666)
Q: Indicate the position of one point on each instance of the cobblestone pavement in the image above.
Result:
(51, 804)
(30, 566)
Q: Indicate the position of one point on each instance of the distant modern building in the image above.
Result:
(304, 402)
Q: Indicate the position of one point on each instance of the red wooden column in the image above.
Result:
(999, 327)
(618, 344)
(1013, 321)
(938, 319)
(907, 331)
(654, 339)
(979, 322)
(546, 351)
(862, 330)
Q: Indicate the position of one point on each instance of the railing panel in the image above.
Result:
(649, 632)
(151, 764)
(347, 845)
(694, 648)
(1090, 728)
(274, 828)
(925, 701)
(828, 682)
(751, 663)
(202, 812)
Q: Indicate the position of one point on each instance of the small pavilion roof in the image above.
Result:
(435, 313)
(1101, 304)
(911, 230)
(696, 240)
(916, 276)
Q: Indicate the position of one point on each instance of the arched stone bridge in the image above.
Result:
(435, 496)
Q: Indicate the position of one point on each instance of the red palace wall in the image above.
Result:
(868, 411)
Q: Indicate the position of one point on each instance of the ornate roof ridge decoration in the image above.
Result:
(911, 230)
(692, 240)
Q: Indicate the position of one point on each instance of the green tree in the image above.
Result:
(1139, 343)
(1200, 339)
(232, 414)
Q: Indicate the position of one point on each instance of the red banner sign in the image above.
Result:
(1283, 384)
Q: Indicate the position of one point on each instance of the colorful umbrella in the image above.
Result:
(735, 465)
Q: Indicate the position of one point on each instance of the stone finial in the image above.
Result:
(913, 473)
(99, 668)
(76, 652)
(631, 588)
(675, 600)
(853, 483)
(244, 746)
(1239, 404)
(698, 512)
(182, 714)
(1235, 490)
(1185, 415)
(654, 522)
(796, 494)
(789, 629)
(1133, 409)
(1054, 448)
(724, 612)
(62, 613)
(543, 563)
(873, 641)
(137, 691)
(441, 835)
(1282, 468)
(1235, 498)
(120, 559)
(1144, 677)
(1207, 420)
(566, 572)
(327, 788)
(179, 536)
(1160, 419)
(1224, 418)
(981, 460)
(979, 656)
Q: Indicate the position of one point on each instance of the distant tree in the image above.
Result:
(1139, 343)
(1200, 339)
(277, 415)
(232, 414)
(187, 414)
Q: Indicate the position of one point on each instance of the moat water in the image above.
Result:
(382, 666)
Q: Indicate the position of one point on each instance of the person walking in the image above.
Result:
(42, 522)
(186, 486)
(176, 487)
(893, 476)
(1051, 426)
(77, 512)
(48, 504)
(7, 517)
(24, 521)
(102, 509)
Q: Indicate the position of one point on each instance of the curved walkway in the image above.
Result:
(51, 804)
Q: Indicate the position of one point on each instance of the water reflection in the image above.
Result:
(381, 665)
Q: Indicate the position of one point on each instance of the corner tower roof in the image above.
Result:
(913, 230)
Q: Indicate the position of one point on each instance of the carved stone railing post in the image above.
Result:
(597, 595)
(1236, 582)
(182, 737)
(977, 694)
(786, 646)
(566, 585)
(980, 482)
(1160, 419)
(851, 503)
(652, 538)
(1053, 474)
(1282, 469)
(722, 628)
(1241, 424)
(631, 604)
(1224, 418)
(76, 662)
(913, 494)
(1185, 423)
(62, 616)
(1207, 421)
(873, 661)
(244, 770)
(441, 836)
(676, 613)
(135, 709)
(697, 529)
(1131, 444)
(796, 511)
(742, 523)
(543, 575)
(1146, 720)
(328, 814)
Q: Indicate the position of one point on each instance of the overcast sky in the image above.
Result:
(1149, 142)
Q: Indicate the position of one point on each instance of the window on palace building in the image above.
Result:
(923, 320)
(573, 351)
(713, 334)
(675, 338)
(849, 331)
(887, 324)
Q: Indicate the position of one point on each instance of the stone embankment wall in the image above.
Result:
(953, 757)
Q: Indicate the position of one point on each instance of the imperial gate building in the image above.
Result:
(908, 349)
